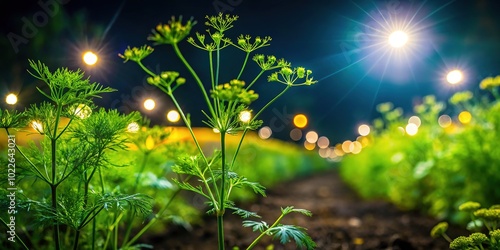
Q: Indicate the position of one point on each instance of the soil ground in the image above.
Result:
(341, 220)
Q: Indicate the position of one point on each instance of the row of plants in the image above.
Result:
(93, 178)
(445, 164)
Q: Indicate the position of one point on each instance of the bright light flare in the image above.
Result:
(90, 58)
(36, 125)
(454, 76)
(398, 39)
(11, 99)
(245, 116)
(81, 110)
(173, 116)
(149, 104)
(300, 120)
(411, 129)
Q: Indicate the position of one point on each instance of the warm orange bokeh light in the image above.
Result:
(300, 121)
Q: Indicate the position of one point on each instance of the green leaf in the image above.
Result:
(291, 209)
(256, 225)
(287, 233)
(244, 213)
(189, 187)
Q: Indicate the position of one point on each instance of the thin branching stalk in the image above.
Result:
(197, 79)
(265, 232)
(220, 212)
(243, 66)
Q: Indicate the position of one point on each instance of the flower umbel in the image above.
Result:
(490, 83)
(221, 22)
(289, 76)
(172, 32)
(461, 97)
(246, 45)
(234, 91)
(136, 54)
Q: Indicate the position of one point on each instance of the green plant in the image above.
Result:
(61, 177)
(484, 224)
(216, 175)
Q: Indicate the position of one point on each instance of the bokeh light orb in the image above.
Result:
(312, 137)
(89, 58)
(296, 134)
(245, 116)
(133, 127)
(265, 132)
(415, 120)
(444, 121)
(398, 39)
(411, 129)
(364, 130)
(454, 76)
(300, 121)
(149, 104)
(309, 146)
(11, 99)
(323, 142)
(465, 117)
(173, 116)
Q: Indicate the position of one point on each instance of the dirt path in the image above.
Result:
(341, 220)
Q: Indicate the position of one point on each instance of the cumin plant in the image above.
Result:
(225, 101)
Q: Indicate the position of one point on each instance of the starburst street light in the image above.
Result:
(398, 39)
(454, 76)
(90, 58)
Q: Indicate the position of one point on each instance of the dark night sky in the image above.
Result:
(338, 40)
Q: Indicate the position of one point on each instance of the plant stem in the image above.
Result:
(255, 117)
(75, 242)
(197, 79)
(152, 221)
(53, 189)
(265, 232)
(244, 64)
(220, 212)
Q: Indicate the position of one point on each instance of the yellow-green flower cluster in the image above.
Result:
(234, 91)
(289, 76)
(478, 238)
(221, 22)
(166, 78)
(172, 32)
(461, 242)
(469, 206)
(439, 229)
(495, 236)
(136, 54)
(488, 214)
(246, 45)
(461, 97)
(269, 62)
(490, 83)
